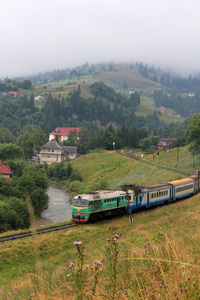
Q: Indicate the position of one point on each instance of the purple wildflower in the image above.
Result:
(117, 236)
(68, 275)
(114, 240)
(76, 252)
(188, 278)
(108, 240)
(186, 288)
(194, 283)
(118, 293)
(87, 266)
(101, 270)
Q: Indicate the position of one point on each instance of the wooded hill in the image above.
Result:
(97, 96)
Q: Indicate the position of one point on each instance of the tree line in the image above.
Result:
(13, 85)
(27, 188)
(184, 106)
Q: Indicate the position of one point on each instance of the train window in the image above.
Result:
(140, 198)
(83, 202)
(166, 193)
(157, 194)
(184, 188)
(75, 201)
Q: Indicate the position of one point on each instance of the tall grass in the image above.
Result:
(156, 257)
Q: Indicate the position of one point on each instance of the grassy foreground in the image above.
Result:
(156, 257)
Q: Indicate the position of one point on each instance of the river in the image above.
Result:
(59, 207)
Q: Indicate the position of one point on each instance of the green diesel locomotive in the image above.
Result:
(98, 205)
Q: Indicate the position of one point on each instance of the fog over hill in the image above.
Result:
(39, 36)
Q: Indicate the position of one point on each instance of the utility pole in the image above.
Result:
(177, 154)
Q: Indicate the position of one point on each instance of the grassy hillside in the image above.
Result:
(116, 169)
(123, 80)
(156, 257)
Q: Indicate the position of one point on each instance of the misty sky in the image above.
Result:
(44, 35)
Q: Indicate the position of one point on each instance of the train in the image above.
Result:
(100, 204)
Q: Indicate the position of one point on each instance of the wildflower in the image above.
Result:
(118, 293)
(117, 236)
(108, 240)
(101, 270)
(87, 266)
(166, 281)
(75, 243)
(114, 240)
(194, 283)
(68, 275)
(186, 288)
(188, 278)
(91, 267)
(76, 252)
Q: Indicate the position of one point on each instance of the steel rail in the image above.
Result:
(149, 163)
(36, 232)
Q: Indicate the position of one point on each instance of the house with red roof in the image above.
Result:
(63, 133)
(5, 171)
(165, 143)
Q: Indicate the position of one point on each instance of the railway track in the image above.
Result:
(130, 155)
(36, 232)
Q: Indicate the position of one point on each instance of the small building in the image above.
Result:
(71, 152)
(5, 171)
(15, 94)
(53, 152)
(162, 109)
(191, 94)
(165, 143)
(38, 99)
(63, 133)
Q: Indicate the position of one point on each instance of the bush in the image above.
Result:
(76, 175)
(77, 186)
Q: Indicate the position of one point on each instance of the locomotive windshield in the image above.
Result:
(76, 201)
(83, 202)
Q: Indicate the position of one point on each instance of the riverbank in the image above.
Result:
(59, 205)
(40, 222)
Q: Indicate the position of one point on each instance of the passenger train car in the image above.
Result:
(97, 205)
(152, 195)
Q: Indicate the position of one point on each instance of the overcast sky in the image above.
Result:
(44, 35)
